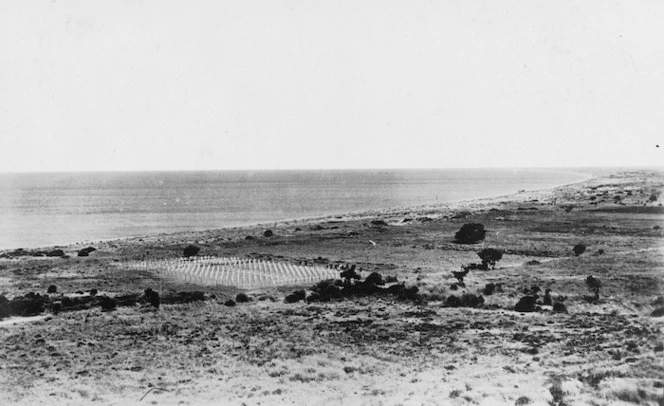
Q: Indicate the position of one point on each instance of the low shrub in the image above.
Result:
(466, 300)
(375, 279)
(296, 296)
(107, 304)
(579, 249)
(489, 288)
(659, 312)
(241, 298)
(470, 233)
(183, 297)
(559, 307)
(52, 289)
(86, 251)
(594, 286)
(522, 401)
(56, 253)
(5, 310)
(268, 233)
(229, 303)
(152, 298)
(526, 304)
(325, 291)
(190, 251)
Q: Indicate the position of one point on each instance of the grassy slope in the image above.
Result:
(368, 351)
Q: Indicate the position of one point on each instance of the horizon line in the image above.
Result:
(617, 167)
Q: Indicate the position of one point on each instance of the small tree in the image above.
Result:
(470, 233)
(594, 285)
(489, 257)
(579, 249)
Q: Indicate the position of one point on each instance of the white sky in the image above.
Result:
(272, 84)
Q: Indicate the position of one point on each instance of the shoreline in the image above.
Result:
(364, 213)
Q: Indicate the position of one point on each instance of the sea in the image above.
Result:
(50, 209)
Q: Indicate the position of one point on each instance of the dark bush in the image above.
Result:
(86, 251)
(453, 301)
(52, 289)
(27, 306)
(55, 253)
(489, 257)
(5, 309)
(375, 279)
(349, 274)
(361, 289)
(594, 286)
(326, 290)
(93, 292)
(183, 297)
(296, 296)
(410, 293)
(107, 304)
(67, 302)
(229, 303)
(470, 233)
(526, 304)
(191, 251)
(152, 297)
(466, 300)
(547, 298)
(379, 223)
(489, 288)
(579, 249)
(241, 298)
(658, 312)
(559, 307)
(268, 233)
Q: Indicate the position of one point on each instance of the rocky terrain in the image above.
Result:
(488, 335)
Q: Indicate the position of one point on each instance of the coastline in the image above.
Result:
(365, 213)
(578, 172)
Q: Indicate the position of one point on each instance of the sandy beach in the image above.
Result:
(582, 346)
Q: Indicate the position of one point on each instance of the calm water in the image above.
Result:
(47, 209)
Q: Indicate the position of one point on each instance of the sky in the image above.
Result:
(271, 84)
